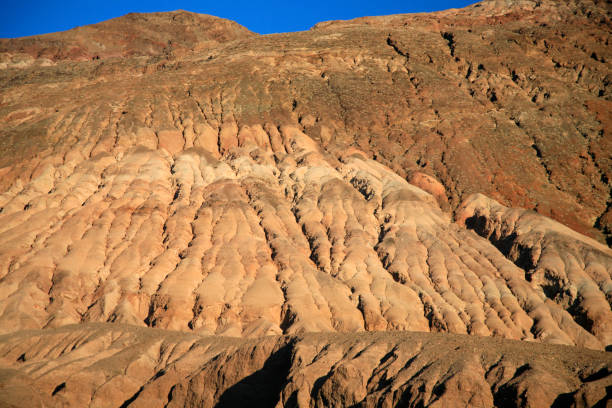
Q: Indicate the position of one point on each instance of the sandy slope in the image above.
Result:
(119, 365)
(302, 208)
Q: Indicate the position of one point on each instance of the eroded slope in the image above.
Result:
(305, 187)
(135, 34)
(119, 365)
(506, 98)
(216, 190)
(571, 269)
(275, 237)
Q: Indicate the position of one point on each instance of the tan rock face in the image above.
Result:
(204, 179)
(571, 269)
(260, 242)
(119, 365)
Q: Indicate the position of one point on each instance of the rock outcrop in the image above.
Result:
(505, 98)
(133, 35)
(571, 269)
(117, 365)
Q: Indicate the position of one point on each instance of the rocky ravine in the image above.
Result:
(179, 172)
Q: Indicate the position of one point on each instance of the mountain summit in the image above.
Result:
(135, 34)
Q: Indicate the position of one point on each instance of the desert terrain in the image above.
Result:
(407, 210)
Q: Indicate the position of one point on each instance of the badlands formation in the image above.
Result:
(409, 210)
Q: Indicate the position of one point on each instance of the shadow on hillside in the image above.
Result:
(263, 387)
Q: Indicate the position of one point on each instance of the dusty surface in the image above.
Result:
(506, 98)
(134, 34)
(118, 365)
(179, 172)
(571, 269)
(282, 239)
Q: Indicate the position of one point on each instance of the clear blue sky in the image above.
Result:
(30, 17)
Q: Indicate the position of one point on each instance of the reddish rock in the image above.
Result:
(114, 364)
(282, 195)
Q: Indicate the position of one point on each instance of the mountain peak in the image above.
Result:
(132, 34)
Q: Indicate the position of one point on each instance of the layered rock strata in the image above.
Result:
(570, 268)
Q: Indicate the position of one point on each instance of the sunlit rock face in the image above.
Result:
(445, 172)
(265, 241)
(112, 364)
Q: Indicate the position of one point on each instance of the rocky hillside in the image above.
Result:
(445, 172)
(129, 36)
(113, 365)
(506, 98)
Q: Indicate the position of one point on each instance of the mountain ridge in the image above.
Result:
(133, 34)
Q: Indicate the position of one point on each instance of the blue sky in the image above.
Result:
(26, 17)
